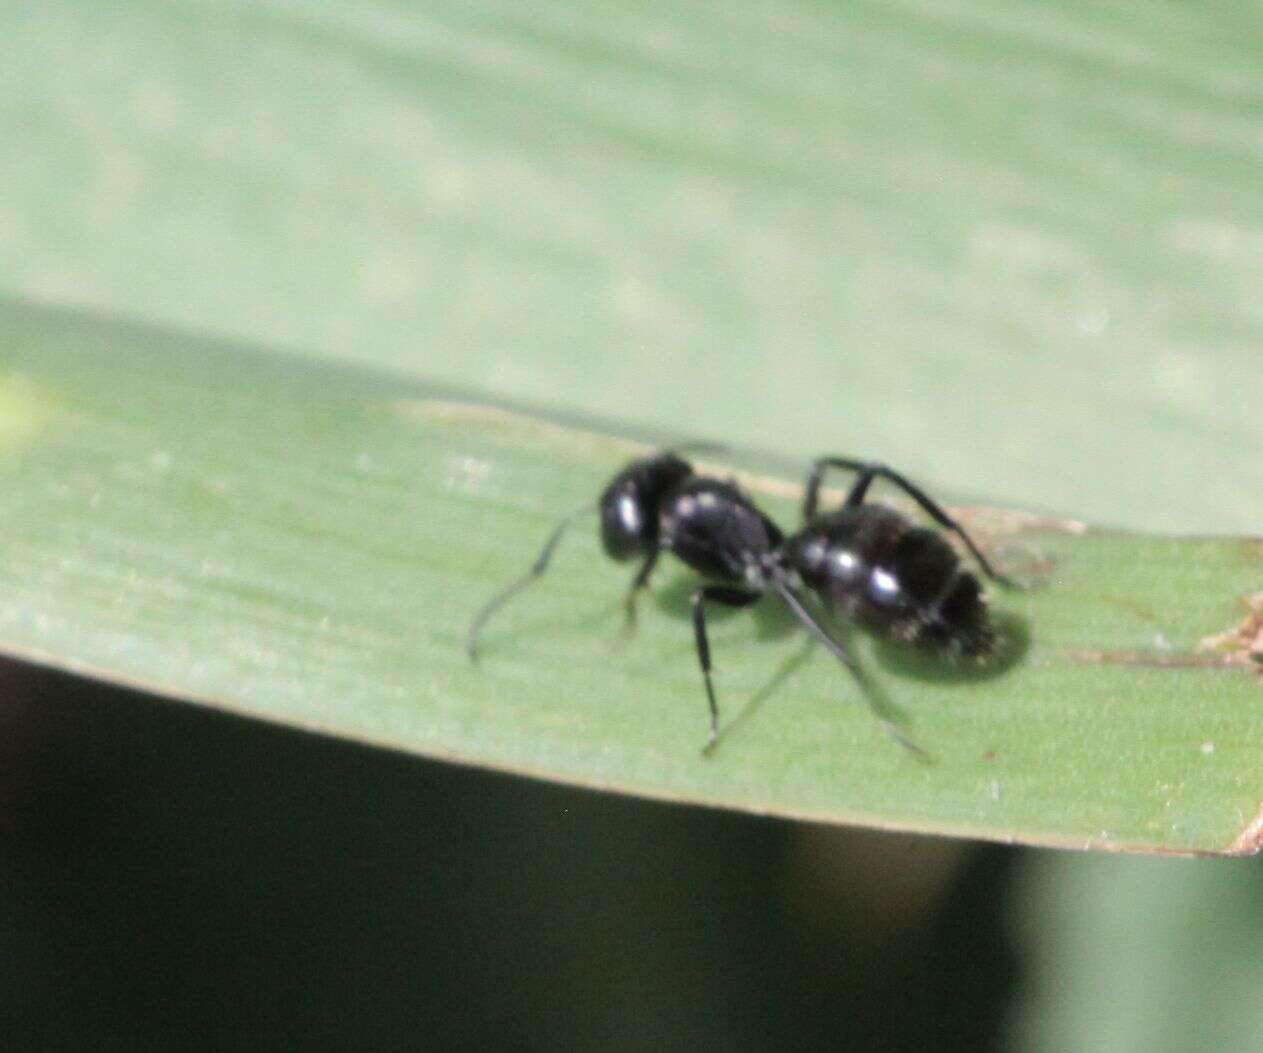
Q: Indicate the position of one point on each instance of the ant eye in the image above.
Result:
(628, 514)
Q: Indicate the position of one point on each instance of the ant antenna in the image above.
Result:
(509, 591)
(882, 708)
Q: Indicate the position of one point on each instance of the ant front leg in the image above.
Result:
(869, 472)
(638, 583)
(729, 597)
(513, 588)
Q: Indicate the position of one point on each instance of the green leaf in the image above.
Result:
(307, 543)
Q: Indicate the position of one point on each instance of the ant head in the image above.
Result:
(629, 505)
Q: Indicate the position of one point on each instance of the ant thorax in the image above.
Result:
(714, 527)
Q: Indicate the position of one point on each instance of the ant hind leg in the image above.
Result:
(869, 472)
(815, 479)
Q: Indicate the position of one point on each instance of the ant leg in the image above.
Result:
(509, 591)
(871, 472)
(729, 597)
(816, 478)
(883, 710)
(931, 507)
(638, 583)
(812, 496)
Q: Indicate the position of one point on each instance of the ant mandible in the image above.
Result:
(866, 561)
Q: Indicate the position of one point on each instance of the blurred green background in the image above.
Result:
(1013, 248)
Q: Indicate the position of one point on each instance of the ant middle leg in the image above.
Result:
(729, 597)
(885, 711)
(871, 471)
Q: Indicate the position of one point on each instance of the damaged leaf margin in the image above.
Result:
(1244, 644)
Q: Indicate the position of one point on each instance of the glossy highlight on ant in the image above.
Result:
(866, 562)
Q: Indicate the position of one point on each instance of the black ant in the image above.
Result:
(866, 561)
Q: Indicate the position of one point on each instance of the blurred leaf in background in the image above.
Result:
(1013, 247)
(1143, 954)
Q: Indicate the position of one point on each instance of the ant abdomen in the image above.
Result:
(872, 566)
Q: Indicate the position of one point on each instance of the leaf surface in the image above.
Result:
(306, 543)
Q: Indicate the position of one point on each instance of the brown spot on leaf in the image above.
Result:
(1242, 645)
(1151, 659)
(1252, 547)
(1130, 606)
